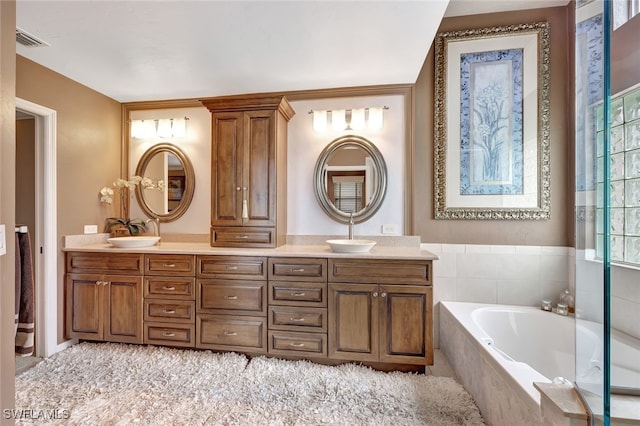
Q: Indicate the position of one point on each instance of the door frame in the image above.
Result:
(46, 246)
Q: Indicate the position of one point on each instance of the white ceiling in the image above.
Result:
(153, 49)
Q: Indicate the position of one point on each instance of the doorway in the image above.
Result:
(45, 227)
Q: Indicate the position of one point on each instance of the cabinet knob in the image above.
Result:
(232, 268)
(231, 297)
(168, 288)
(297, 319)
(169, 265)
(168, 311)
(296, 270)
(242, 237)
(238, 189)
(375, 294)
(296, 345)
(230, 333)
(167, 334)
(298, 293)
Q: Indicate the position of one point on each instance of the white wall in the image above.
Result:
(197, 147)
(304, 214)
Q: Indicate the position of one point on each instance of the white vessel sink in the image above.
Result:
(351, 246)
(133, 242)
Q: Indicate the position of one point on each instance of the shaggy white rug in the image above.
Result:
(114, 384)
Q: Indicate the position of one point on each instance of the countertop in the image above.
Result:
(382, 250)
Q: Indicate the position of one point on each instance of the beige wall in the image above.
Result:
(7, 204)
(88, 150)
(557, 231)
(625, 61)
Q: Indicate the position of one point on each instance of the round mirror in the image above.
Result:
(350, 178)
(167, 162)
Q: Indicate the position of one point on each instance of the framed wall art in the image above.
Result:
(491, 157)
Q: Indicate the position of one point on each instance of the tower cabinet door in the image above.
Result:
(259, 168)
(353, 321)
(405, 324)
(226, 167)
(84, 310)
(123, 302)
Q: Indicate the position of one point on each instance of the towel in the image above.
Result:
(25, 315)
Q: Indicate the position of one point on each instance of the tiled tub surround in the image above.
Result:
(502, 387)
(510, 275)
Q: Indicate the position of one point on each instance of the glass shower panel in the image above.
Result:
(598, 229)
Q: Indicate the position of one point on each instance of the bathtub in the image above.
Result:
(499, 351)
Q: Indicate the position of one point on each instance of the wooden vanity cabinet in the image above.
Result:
(104, 297)
(380, 311)
(169, 299)
(231, 303)
(248, 182)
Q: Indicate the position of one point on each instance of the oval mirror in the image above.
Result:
(169, 163)
(350, 178)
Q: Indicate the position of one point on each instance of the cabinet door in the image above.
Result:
(405, 324)
(227, 161)
(84, 317)
(353, 321)
(123, 309)
(259, 168)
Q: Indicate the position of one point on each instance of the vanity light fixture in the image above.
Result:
(348, 119)
(163, 128)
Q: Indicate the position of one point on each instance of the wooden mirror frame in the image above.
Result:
(189, 187)
(380, 188)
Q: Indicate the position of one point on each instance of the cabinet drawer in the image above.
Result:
(417, 272)
(169, 334)
(298, 269)
(169, 264)
(232, 297)
(233, 267)
(242, 236)
(170, 288)
(168, 310)
(305, 344)
(298, 294)
(228, 332)
(112, 263)
(298, 319)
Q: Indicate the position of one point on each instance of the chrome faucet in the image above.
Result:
(351, 225)
(156, 223)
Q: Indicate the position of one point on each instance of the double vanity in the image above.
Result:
(294, 301)
(248, 286)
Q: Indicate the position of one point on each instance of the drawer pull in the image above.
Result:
(168, 334)
(298, 293)
(168, 311)
(231, 297)
(232, 268)
(296, 345)
(296, 270)
(297, 319)
(242, 237)
(230, 333)
(168, 288)
(169, 265)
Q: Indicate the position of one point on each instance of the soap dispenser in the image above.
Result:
(566, 298)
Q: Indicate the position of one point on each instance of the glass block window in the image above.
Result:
(625, 179)
(623, 10)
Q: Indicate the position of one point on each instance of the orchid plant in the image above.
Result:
(133, 226)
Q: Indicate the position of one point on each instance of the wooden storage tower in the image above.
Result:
(249, 170)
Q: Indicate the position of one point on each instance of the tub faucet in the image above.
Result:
(351, 225)
(156, 224)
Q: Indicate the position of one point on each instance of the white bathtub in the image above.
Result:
(521, 345)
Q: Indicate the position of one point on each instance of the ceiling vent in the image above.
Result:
(28, 40)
